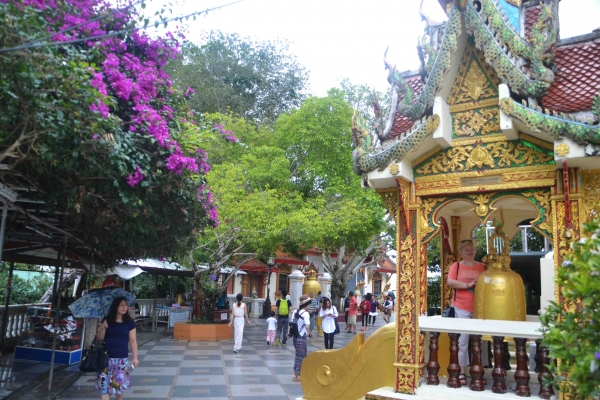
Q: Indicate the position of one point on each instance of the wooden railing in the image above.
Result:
(521, 332)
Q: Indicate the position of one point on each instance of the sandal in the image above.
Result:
(296, 378)
(463, 379)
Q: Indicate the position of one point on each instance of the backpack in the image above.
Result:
(283, 307)
(365, 307)
(294, 329)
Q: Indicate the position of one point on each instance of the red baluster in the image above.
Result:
(433, 366)
(453, 367)
(476, 369)
(545, 392)
(522, 374)
(499, 373)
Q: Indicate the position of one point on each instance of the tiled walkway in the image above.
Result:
(175, 369)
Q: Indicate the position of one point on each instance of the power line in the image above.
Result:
(34, 44)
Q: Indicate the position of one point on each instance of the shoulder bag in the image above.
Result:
(96, 359)
(449, 311)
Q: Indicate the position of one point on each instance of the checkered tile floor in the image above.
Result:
(174, 369)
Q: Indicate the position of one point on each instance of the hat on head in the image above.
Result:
(304, 300)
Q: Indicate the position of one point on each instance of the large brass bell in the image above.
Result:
(311, 284)
(499, 293)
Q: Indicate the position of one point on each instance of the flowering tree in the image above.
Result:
(91, 123)
(571, 328)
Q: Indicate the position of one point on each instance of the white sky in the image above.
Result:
(337, 39)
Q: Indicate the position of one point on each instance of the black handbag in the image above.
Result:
(96, 359)
(449, 311)
(337, 328)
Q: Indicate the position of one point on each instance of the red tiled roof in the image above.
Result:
(531, 16)
(576, 79)
(402, 123)
(387, 266)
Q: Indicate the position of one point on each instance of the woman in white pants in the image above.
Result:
(462, 277)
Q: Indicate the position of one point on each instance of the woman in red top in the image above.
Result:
(462, 277)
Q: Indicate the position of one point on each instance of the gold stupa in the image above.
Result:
(499, 293)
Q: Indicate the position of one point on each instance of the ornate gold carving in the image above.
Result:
(475, 82)
(473, 106)
(506, 153)
(427, 206)
(476, 85)
(478, 140)
(482, 209)
(561, 149)
(480, 157)
(431, 152)
(516, 3)
(476, 122)
(543, 199)
(394, 169)
(390, 200)
(285, 269)
(590, 182)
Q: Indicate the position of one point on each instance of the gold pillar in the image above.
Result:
(244, 284)
(410, 361)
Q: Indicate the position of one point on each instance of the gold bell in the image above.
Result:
(499, 293)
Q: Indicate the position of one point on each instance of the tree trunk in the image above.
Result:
(68, 279)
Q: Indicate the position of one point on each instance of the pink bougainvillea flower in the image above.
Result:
(136, 177)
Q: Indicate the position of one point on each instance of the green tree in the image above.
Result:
(255, 80)
(337, 216)
(24, 291)
(571, 328)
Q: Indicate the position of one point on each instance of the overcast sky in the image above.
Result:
(347, 38)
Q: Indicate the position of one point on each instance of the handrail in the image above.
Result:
(521, 329)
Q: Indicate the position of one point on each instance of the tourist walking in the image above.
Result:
(271, 329)
(374, 310)
(388, 306)
(117, 330)
(303, 320)
(462, 276)
(328, 314)
(365, 309)
(352, 314)
(237, 320)
(282, 309)
(346, 308)
(313, 309)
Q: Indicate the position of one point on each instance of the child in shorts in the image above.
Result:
(271, 329)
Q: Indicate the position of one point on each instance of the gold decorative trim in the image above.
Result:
(431, 152)
(516, 3)
(590, 187)
(536, 141)
(488, 172)
(409, 366)
(478, 140)
(475, 105)
(394, 169)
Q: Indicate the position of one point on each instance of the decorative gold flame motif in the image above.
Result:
(480, 157)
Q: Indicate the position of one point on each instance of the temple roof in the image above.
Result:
(577, 77)
(402, 123)
(531, 16)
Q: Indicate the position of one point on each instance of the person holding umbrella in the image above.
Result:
(117, 330)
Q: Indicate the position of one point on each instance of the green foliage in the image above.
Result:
(257, 81)
(24, 291)
(434, 254)
(434, 298)
(77, 161)
(143, 286)
(360, 98)
(571, 328)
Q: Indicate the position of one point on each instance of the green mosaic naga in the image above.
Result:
(366, 158)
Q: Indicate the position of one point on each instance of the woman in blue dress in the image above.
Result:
(117, 330)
